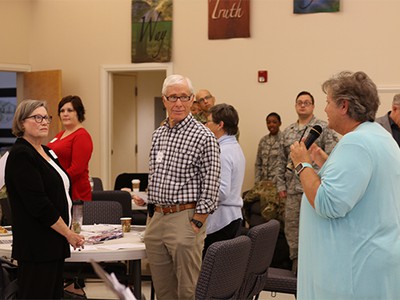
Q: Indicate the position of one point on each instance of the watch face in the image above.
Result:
(197, 223)
(299, 167)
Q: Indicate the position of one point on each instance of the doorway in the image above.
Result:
(149, 78)
(124, 137)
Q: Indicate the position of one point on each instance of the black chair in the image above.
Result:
(97, 184)
(124, 198)
(223, 269)
(263, 240)
(124, 180)
(102, 212)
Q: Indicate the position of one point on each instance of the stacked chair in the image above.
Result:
(223, 269)
(263, 241)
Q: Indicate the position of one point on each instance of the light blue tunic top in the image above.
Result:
(349, 246)
(232, 174)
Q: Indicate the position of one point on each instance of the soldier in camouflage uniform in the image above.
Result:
(287, 182)
(264, 190)
(206, 101)
(268, 150)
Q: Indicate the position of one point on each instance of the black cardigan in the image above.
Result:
(37, 199)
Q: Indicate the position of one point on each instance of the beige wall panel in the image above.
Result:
(15, 21)
(299, 52)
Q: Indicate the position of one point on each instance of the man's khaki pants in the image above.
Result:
(174, 254)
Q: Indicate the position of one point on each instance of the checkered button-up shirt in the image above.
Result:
(185, 166)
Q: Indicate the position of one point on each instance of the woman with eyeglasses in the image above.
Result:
(74, 146)
(38, 189)
(224, 223)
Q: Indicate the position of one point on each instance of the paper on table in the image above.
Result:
(85, 248)
(98, 227)
(108, 247)
(3, 161)
(142, 195)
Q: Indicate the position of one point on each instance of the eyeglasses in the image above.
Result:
(174, 98)
(305, 103)
(39, 119)
(204, 98)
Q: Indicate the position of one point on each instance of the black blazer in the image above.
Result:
(37, 199)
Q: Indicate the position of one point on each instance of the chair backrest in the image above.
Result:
(124, 198)
(263, 241)
(101, 212)
(223, 269)
(97, 184)
(124, 180)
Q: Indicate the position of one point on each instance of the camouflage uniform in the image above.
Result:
(287, 180)
(271, 205)
(264, 190)
(201, 117)
(267, 157)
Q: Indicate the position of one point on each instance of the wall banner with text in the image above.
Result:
(151, 31)
(315, 6)
(228, 19)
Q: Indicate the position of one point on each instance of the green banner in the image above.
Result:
(151, 30)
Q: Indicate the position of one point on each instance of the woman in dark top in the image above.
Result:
(38, 190)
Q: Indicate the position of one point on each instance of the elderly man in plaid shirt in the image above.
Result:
(183, 187)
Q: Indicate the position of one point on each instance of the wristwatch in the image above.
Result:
(198, 223)
(301, 166)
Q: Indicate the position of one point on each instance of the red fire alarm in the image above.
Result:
(262, 76)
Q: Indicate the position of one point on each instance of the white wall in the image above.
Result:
(299, 52)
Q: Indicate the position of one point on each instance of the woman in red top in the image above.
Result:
(74, 146)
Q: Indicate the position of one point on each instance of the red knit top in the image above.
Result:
(74, 152)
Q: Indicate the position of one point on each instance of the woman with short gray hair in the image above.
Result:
(349, 246)
(38, 190)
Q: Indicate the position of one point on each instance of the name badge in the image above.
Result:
(53, 154)
(159, 157)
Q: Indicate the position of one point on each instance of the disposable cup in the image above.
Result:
(135, 185)
(126, 224)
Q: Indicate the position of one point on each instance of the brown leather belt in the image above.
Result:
(170, 209)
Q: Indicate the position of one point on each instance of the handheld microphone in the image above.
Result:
(313, 135)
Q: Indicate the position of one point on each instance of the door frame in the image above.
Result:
(106, 99)
(15, 68)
